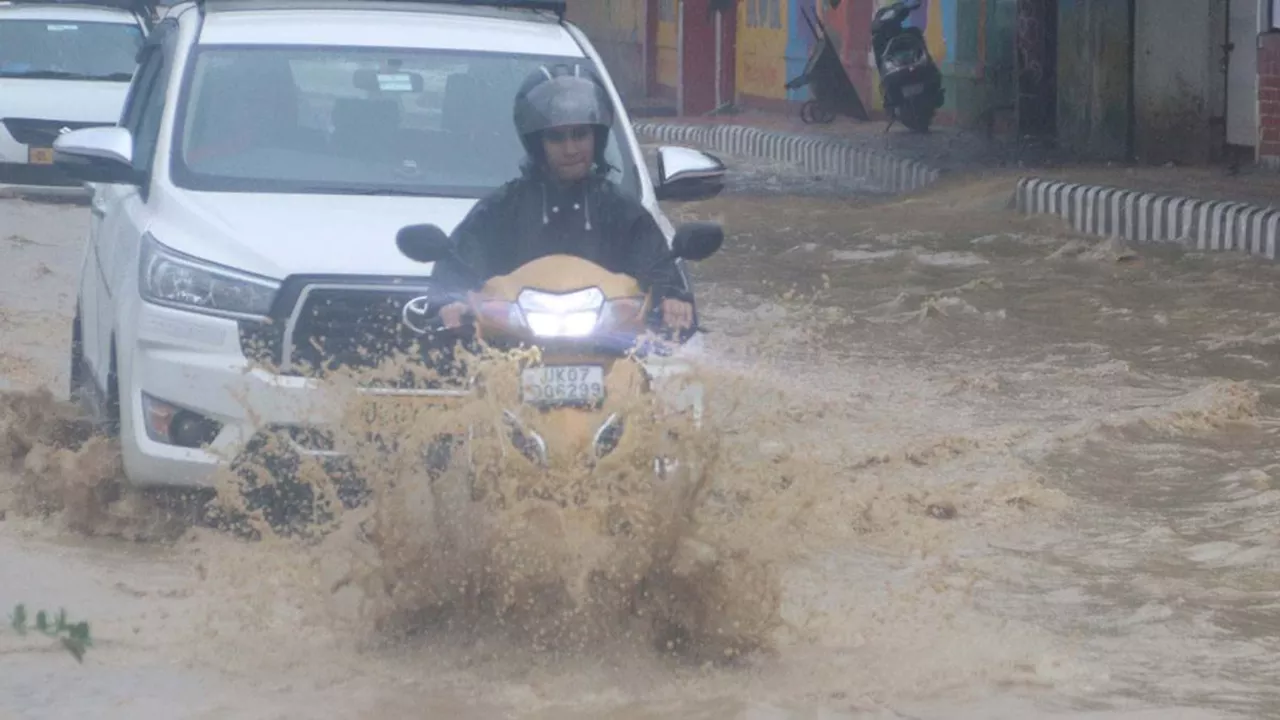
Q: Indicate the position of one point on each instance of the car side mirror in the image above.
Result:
(697, 241)
(97, 155)
(688, 174)
(424, 243)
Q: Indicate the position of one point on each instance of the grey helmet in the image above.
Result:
(560, 95)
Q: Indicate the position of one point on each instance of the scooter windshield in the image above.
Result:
(562, 299)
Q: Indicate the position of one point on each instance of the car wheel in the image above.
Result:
(77, 386)
(112, 425)
(274, 487)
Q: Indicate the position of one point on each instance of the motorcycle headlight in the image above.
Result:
(623, 312)
(501, 313)
(572, 314)
(172, 279)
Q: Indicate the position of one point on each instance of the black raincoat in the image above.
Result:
(532, 216)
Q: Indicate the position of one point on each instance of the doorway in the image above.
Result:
(1242, 73)
(698, 67)
(708, 31)
(1036, 59)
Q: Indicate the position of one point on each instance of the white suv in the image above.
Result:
(63, 66)
(247, 204)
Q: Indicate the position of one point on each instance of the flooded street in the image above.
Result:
(1001, 472)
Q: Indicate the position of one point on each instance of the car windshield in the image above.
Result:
(356, 120)
(65, 49)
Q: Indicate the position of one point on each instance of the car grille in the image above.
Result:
(359, 328)
(42, 133)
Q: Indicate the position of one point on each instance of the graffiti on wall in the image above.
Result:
(1030, 41)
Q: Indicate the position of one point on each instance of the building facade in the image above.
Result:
(1156, 81)
(701, 55)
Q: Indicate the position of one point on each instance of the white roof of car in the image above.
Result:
(440, 27)
(65, 12)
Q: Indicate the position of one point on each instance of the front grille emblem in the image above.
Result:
(416, 315)
(64, 130)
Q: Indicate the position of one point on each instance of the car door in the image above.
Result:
(120, 209)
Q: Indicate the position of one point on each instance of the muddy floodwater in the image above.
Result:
(997, 470)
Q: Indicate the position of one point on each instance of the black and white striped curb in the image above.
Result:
(1144, 217)
(827, 156)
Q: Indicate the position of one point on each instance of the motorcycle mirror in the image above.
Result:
(424, 243)
(697, 240)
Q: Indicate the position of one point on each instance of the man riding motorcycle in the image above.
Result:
(563, 203)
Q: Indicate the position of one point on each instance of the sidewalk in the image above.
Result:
(897, 160)
(1200, 208)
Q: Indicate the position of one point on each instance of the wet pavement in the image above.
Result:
(1002, 472)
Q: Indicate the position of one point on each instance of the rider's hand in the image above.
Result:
(451, 315)
(677, 314)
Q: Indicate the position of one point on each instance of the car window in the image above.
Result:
(68, 49)
(291, 119)
(136, 99)
(144, 124)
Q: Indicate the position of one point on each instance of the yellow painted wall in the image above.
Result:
(762, 49)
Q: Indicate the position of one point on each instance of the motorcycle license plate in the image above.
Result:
(912, 90)
(556, 384)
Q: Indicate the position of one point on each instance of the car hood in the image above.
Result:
(281, 235)
(73, 100)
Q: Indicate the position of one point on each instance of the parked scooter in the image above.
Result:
(910, 82)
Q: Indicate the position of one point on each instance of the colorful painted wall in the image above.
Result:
(972, 41)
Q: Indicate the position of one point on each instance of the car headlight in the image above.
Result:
(169, 278)
(572, 314)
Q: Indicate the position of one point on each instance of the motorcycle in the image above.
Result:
(595, 355)
(576, 362)
(553, 472)
(910, 82)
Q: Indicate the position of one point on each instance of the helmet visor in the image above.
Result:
(563, 101)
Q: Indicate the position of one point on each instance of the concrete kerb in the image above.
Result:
(1143, 217)
(1104, 211)
(819, 155)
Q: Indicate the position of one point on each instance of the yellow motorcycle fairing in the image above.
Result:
(567, 432)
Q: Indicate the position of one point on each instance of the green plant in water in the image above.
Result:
(74, 637)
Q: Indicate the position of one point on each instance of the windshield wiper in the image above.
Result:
(367, 191)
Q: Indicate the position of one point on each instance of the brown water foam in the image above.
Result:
(562, 558)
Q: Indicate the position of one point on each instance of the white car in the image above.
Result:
(249, 201)
(63, 66)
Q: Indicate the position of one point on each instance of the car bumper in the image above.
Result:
(18, 172)
(196, 363)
